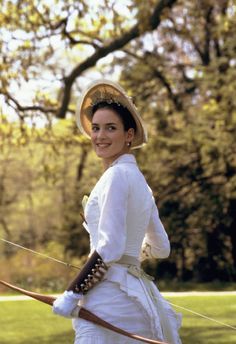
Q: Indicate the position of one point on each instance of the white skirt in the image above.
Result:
(127, 299)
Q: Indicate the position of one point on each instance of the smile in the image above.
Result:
(103, 145)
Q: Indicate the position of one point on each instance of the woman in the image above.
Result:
(124, 226)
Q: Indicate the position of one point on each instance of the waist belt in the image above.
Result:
(129, 260)
(134, 267)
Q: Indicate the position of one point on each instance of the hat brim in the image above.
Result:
(101, 90)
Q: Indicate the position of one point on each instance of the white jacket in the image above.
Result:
(122, 219)
(122, 216)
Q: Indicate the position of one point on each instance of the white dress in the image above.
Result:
(123, 220)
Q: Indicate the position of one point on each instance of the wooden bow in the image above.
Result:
(83, 314)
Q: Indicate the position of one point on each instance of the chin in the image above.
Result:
(102, 155)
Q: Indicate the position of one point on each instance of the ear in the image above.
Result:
(130, 134)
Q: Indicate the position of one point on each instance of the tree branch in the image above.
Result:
(160, 76)
(189, 183)
(28, 108)
(74, 41)
(103, 51)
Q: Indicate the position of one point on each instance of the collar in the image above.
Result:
(125, 158)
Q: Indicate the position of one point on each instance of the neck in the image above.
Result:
(108, 162)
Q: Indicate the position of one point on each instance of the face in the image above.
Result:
(109, 139)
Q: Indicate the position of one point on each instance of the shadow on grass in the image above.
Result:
(165, 285)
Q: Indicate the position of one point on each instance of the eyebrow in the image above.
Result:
(105, 123)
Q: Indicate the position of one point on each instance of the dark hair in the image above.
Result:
(124, 114)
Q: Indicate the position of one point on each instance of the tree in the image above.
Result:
(46, 53)
(177, 61)
(87, 32)
(184, 83)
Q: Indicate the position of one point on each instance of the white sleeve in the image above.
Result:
(112, 227)
(156, 243)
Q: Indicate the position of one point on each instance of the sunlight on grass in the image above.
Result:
(31, 322)
(199, 330)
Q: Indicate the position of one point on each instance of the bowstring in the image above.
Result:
(203, 316)
(183, 308)
(41, 254)
(128, 288)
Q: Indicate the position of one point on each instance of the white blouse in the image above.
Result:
(122, 217)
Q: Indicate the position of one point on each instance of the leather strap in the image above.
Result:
(91, 273)
(128, 260)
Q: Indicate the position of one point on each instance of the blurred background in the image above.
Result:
(177, 60)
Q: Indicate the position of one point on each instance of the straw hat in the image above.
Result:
(110, 92)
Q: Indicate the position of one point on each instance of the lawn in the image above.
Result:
(196, 330)
(32, 322)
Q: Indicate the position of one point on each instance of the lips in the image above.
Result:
(103, 145)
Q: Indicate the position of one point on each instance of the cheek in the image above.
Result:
(93, 140)
(118, 139)
(122, 138)
(92, 136)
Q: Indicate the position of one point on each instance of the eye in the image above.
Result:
(95, 128)
(112, 127)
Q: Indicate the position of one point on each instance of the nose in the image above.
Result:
(101, 133)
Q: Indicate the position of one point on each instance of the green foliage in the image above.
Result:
(40, 201)
(182, 78)
(184, 84)
(40, 273)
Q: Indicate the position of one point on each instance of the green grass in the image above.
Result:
(196, 330)
(31, 322)
(23, 322)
